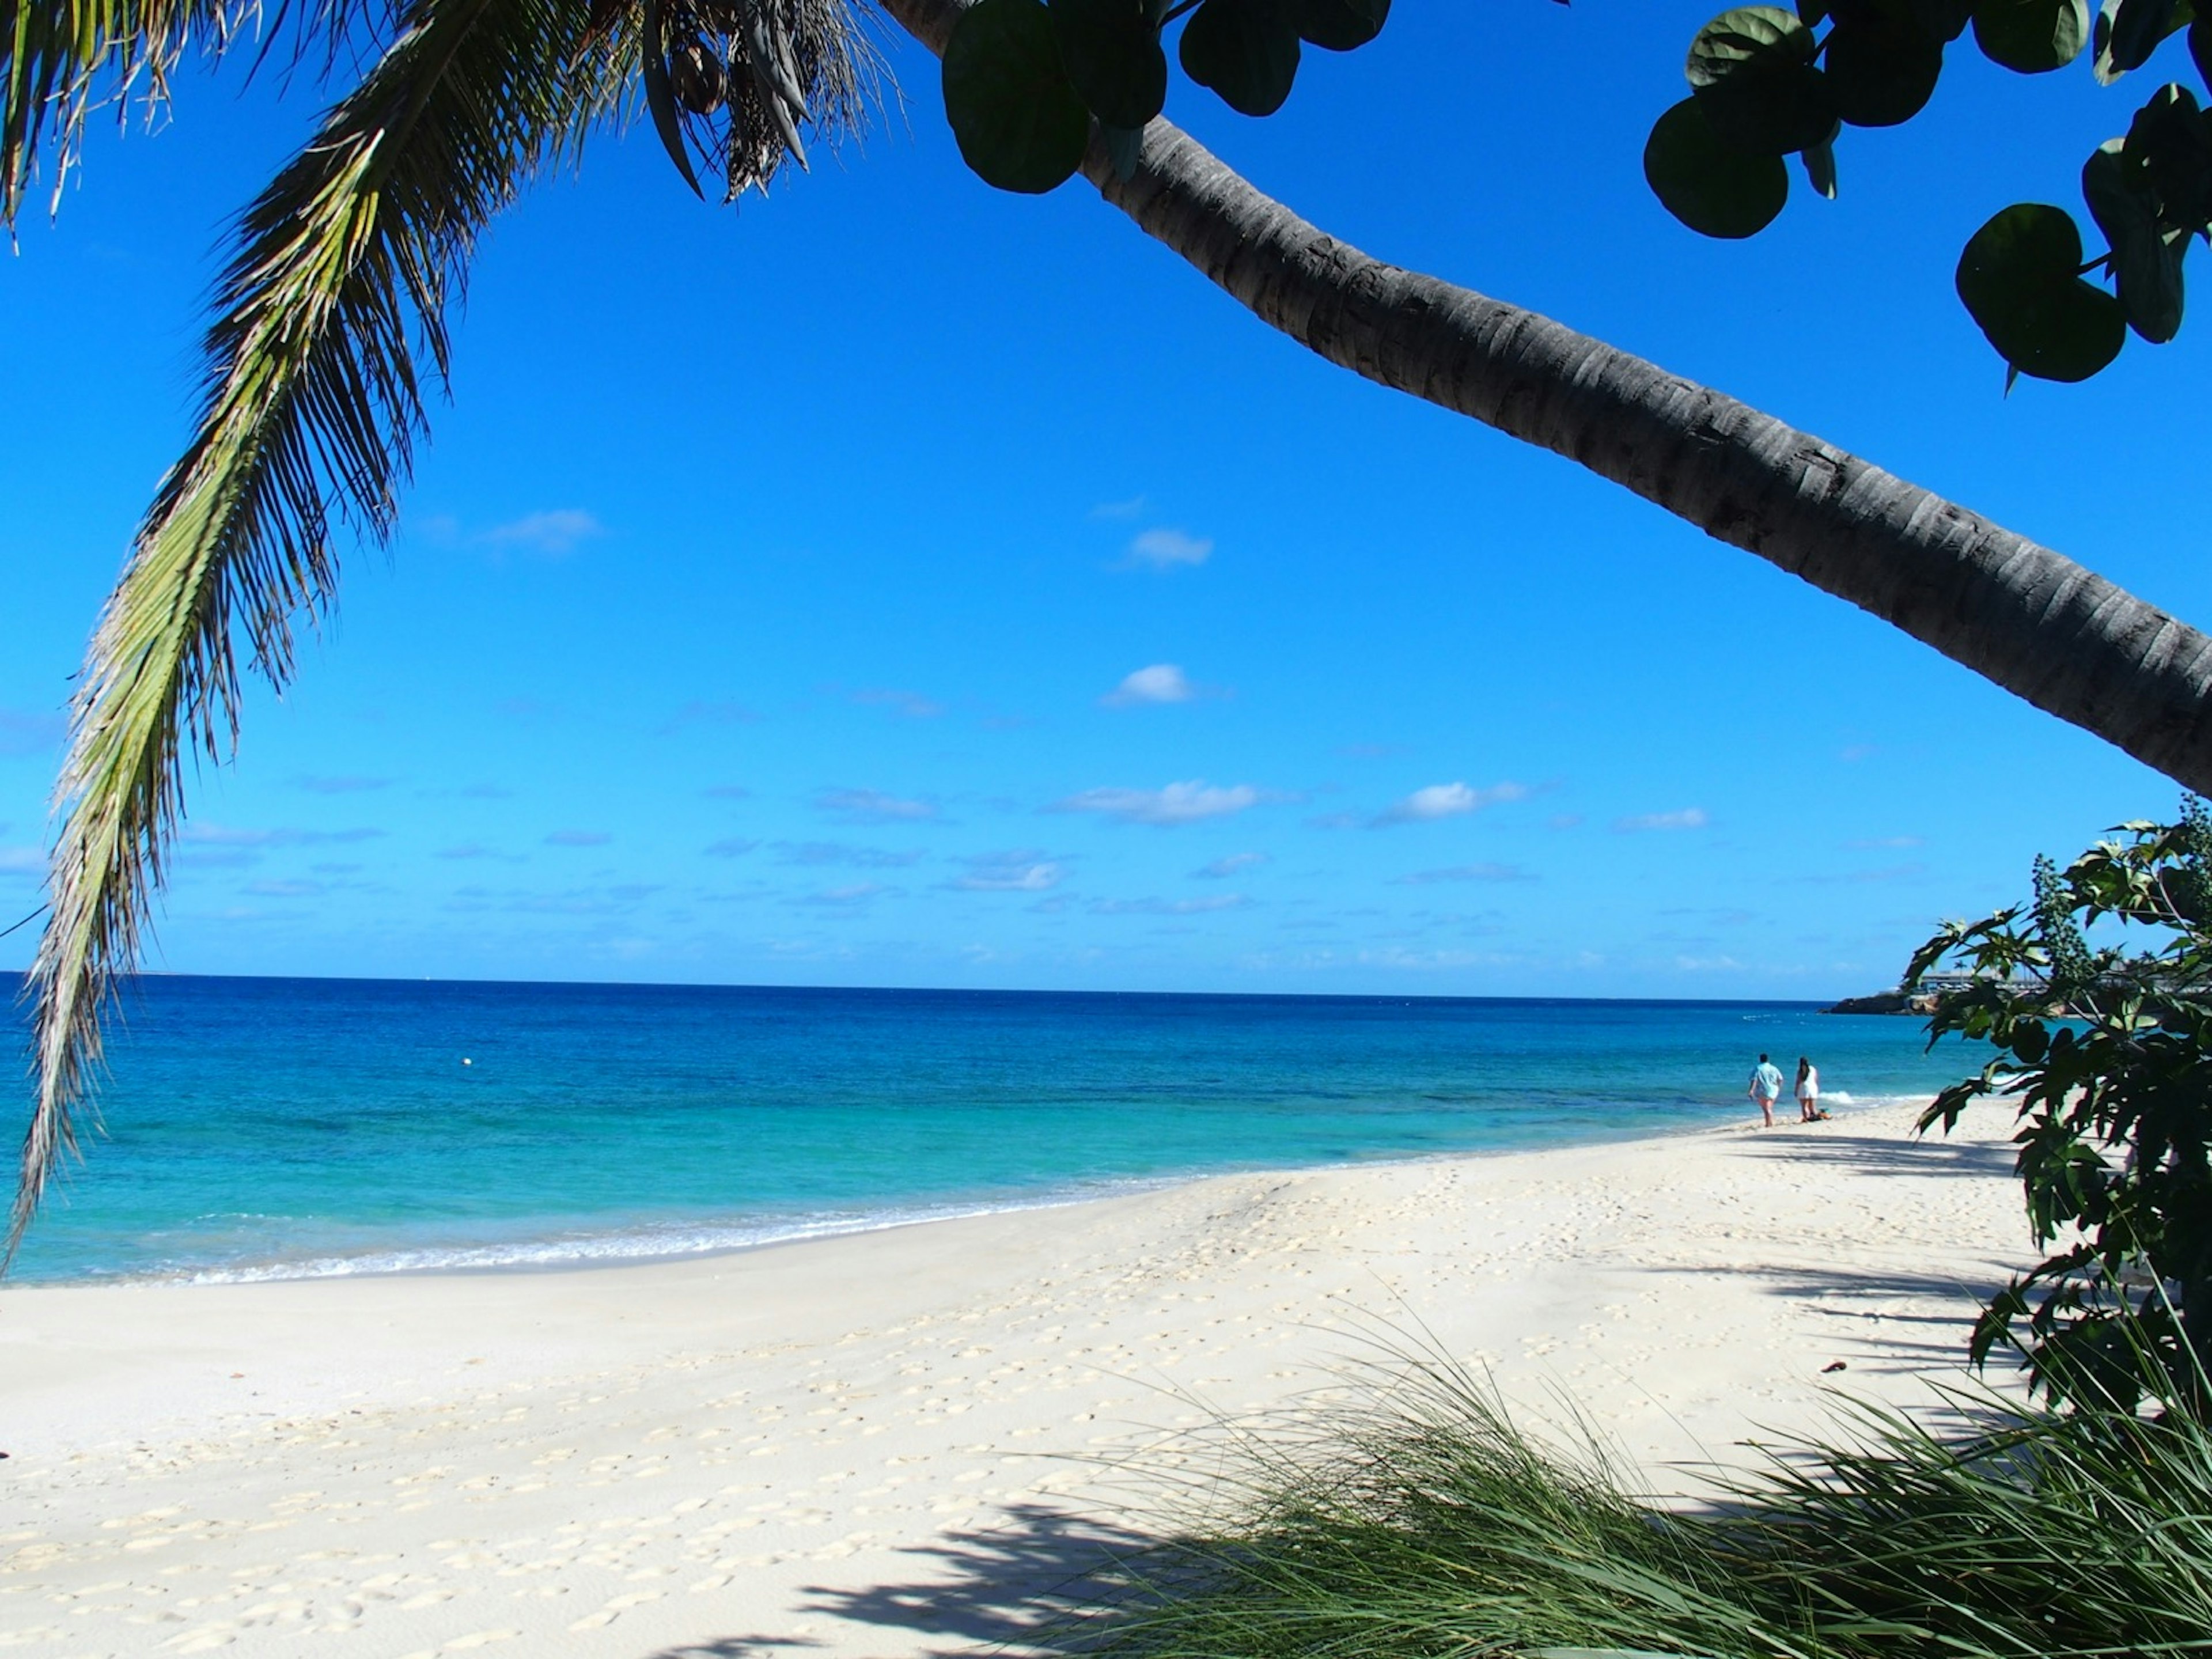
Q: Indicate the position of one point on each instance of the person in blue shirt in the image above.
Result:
(1766, 1088)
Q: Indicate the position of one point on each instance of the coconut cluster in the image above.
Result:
(754, 72)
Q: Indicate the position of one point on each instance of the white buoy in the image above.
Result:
(465, 1060)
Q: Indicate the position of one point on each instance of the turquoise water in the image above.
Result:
(262, 1127)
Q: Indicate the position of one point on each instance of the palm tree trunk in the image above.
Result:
(2029, 619)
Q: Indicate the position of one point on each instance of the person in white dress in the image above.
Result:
(1809, 1091)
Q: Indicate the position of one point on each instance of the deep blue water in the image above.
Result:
(259, 1127)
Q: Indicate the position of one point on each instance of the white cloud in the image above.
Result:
(1024, 870)
(1127, 510)
(1222, 868)
(219, 834)
(912, 704)
(699, 712)
(1161, 682)
(1178, 803)
(1399, 956)
(1447, 800)
(1164, 549)
(1690, 817)
(1467, 873)
(555, 534)
(286, 889)
(1158, 907)
(871, 805)
(859, 893)
(839, 852)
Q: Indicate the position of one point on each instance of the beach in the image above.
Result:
(900, 1442)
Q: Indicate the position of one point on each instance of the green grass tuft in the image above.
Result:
(1424, 1525)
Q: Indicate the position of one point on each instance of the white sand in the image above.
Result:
(872, 1445)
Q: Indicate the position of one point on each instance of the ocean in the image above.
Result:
(262, 1128)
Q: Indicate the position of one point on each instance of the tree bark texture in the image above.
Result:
(2028, 618)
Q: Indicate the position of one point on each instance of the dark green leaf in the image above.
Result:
(1752, 69)
(2017, 278)
(1746, 35)
(2169, 152)
(1019, 122)
(2200, 48)
(2145, 265)
(1881, 67)
(1820, 161)
(1247, 50)
(2127, 32)
(2032, 36)
(660, 94)
(1339, 25)
(1945, 19)
(1713, 187)
(1125, 148)
(1111, 51)
(1810, 12)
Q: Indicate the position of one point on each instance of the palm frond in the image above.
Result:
(60, 59)
(312, 401)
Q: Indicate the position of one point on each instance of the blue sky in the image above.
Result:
(896, 582)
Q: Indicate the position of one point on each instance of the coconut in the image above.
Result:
(697, 76)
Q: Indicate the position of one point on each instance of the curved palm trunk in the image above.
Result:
(2029, 619)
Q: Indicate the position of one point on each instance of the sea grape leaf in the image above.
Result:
(1111, 51)
(2127, 32)
(1247, 50)
(2032, 36)
(1339, 25)
(2017, 277)
(1746, 35)
(1945, 20)
(1752, 70)
(2169, 152)
(2145, 265)
(1714, 187)
(1881, 67)
(1019, 122)
(1125, 148)
(1820, 163)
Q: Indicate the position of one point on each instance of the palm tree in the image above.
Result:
(337, 292)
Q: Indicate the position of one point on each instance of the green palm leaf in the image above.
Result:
(313, 398)
(60, 59)
(313, 394)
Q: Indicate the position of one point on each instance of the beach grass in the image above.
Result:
(1423, 1523)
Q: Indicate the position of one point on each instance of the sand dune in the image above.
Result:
(889, 1443)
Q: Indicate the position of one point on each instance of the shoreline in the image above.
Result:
(321, 1267)
(852, 1444)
